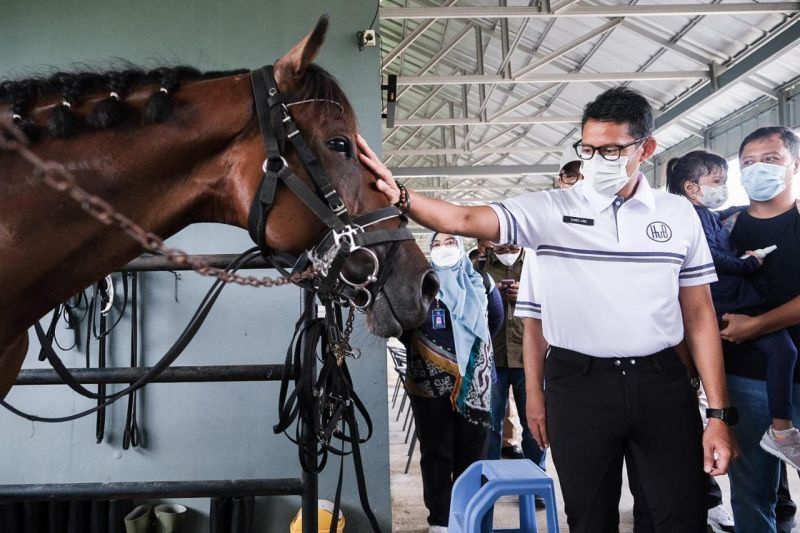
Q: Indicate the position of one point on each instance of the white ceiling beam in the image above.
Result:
(562, 5)
(556, 77)
(483, 171)
(477, 151)
(490, 188)
(570, 46)
(433, 61)
(409, 40)
(657, 10)
(473, 121)
(482, 201)
(772, 46)
(697, 132)
(760, 87)
(419, 106)
(666, 43)
(454, 62)
(413, 133)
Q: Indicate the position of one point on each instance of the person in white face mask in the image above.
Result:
(701, 177)
(504, 263)
(769, 159)
(630, 266)
(569, 172)
(450, 372)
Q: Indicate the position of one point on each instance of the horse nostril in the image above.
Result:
(430, 287)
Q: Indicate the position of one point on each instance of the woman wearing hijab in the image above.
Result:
(450, 373)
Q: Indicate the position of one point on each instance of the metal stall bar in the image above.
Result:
(308, 439)
(177, 374)
(156, 263)
(152, 489)
(306, 486)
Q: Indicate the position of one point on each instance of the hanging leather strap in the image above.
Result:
(51, 332)
(130, 436)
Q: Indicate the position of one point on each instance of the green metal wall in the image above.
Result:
(196, 431)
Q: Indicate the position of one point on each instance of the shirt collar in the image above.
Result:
(643, 195)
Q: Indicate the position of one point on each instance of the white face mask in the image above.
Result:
(607, 177)
(763, 181)
(445, 256)
(712, 196)
(508, 259)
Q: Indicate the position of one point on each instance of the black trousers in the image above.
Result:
(448, 444)
(642, 410)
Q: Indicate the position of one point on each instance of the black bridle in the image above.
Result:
(327, 402)
(345, 235)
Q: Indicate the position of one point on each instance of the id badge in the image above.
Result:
(438, 319)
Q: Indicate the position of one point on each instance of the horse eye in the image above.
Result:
(341, 145)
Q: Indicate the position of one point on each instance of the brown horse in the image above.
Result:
(201, 162)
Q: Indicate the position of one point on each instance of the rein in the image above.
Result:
(330, 398)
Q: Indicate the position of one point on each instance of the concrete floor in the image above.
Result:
(409, 513)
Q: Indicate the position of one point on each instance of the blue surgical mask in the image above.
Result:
(763, 181)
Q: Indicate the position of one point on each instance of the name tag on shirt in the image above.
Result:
(578, 220)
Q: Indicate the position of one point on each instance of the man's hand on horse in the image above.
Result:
(385, 181)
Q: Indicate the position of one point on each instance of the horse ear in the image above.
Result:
(292, 66)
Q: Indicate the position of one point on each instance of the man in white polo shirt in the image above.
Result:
(529, 310)
(631, 265)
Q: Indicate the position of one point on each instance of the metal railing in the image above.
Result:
(305, 486)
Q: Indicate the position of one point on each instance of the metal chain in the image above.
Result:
(342, 348)
(58, 178)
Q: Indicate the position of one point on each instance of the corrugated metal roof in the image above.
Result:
(651, 44)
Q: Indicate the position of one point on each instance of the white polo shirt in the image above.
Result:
(609, 271)
(527, 305)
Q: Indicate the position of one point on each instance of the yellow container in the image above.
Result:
(324, 519)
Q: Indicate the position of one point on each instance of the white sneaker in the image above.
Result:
(787, 448)
(719, 520)
(437, 529)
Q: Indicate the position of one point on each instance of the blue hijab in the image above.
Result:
(462, 291)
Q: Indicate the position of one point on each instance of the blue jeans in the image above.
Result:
(754, 474)
(514, 378)
(781, 356)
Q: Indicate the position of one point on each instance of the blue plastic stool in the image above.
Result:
(478, 488)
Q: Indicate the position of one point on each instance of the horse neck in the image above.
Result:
(163, 176)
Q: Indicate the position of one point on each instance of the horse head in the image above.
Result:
(327, 123)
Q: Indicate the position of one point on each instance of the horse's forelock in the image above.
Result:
(317, 82)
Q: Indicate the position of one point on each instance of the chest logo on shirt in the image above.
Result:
(659, 231)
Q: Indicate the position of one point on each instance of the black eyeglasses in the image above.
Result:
(569, 178)
(609, 152)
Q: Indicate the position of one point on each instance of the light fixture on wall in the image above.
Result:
(366, 38)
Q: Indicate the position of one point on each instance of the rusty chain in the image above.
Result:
(341, 347)
(58, 178)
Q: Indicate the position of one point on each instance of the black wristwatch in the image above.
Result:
(729, 415)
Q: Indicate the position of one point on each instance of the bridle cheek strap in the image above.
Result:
(344, 235)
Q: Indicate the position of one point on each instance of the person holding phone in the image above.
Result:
(504, 264)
